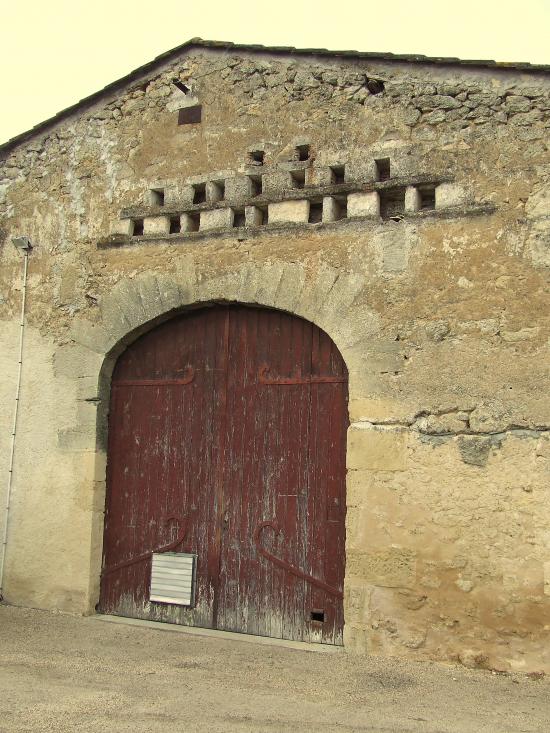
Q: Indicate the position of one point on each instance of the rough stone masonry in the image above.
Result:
(402, 204)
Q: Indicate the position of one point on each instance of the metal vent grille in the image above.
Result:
(173, 578)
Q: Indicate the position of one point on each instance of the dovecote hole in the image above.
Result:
(342, 207)
(181, 86)
(315, 212)
(338, 174)
(298, 179)
(375, 86)
(256, 157)
(190, 115)
(392, 204)
(302, 152)
(193, 221)
(383, 170)
(157, 196)
(217, 191)
(175, 225)
(427, 197)
(256, 185)
(137, 227)
(239, 218)
(216, 203)
(199, 193)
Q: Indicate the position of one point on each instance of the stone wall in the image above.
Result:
(441, 314)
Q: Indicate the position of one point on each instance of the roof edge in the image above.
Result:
(158, 61)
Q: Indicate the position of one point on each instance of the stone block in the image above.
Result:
(543, 447)
(276, 182)
(285, 212)
(367, 409)
(91, 335)
(172, 195)
(538, 243)
(189, 222)
(357, 487)
(254, 216)
(413, 199)
(238, 189)
(90, 467)
(356, 603)
(517, 103)
(87, 388)
(186, 195)
(81, 439)
(72, 360)
(154, 225)
(122, 227)
(86, 414)
(361, 169)
(215, 191)
(538, 203)
(155, 195)
(122, 307)
(216, 219)
(449, 194)
(356, 639)
(291, 287)
(376, 449)
(474, 450)
(320, 176)
(363, 204)
(395, 243)
(332, 210)
(179, 100)
(395, 256)
(391, 568)
(170, 293)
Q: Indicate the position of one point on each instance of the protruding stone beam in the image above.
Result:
(363, 204)
(413, 199)
(154, 225)
(217, 219)
(285, 212)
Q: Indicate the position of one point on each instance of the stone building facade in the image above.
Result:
(402, 205)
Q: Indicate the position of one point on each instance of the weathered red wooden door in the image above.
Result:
(227, 435)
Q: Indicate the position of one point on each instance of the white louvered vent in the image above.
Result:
(173, 578)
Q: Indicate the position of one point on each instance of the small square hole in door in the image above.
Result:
(318, 616)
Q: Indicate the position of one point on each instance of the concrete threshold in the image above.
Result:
(302, 646)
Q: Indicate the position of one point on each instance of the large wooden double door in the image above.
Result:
(227, 435)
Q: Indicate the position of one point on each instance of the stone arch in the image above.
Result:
(329, 298)
(325, 297)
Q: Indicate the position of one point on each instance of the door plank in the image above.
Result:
(203, 449)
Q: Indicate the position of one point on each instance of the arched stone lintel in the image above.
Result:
(324, 298)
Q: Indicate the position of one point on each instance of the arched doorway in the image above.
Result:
(227, 440)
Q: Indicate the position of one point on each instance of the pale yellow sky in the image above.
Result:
(54, 52)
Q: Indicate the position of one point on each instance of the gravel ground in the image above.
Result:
(65, 673)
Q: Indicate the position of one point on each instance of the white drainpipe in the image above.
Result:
(22, 243)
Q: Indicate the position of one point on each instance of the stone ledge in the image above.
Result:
(253, 232)
(308, 192)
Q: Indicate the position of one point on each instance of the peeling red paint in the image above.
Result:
(228, 450)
